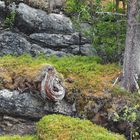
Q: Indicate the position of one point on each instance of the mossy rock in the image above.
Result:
(59, 127)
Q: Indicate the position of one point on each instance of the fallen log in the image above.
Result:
(111, 13)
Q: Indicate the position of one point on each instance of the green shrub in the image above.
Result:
(109, 37)
(10, 19)
(59, 127)
(107, 31)
(83, 10)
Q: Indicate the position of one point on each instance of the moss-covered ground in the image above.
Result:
(59, 127)
(86, 73)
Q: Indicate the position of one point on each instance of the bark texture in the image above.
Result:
(131, 68)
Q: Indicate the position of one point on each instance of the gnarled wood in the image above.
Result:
(51, 86)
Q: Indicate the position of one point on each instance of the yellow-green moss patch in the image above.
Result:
(59, 127)
(17, 137)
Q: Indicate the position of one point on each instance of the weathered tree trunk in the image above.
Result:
(131, 68)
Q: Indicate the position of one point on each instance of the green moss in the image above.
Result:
(86, 72)
(17, 137)
(61, 127)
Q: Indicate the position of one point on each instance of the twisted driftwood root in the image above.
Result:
(52, 86)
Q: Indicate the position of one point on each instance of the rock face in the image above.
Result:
(49, 44)
(16, 126)
(38, 32)
(52, 40)
(57, 40)
(42, 94)
(16, 44)
(30, 106)
(36, 49)
(30, 20)
(13, 43)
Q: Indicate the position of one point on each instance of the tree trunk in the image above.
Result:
(131, 68)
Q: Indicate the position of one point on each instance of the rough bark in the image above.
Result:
(131, 68)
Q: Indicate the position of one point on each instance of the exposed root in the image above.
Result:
(51, 86)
